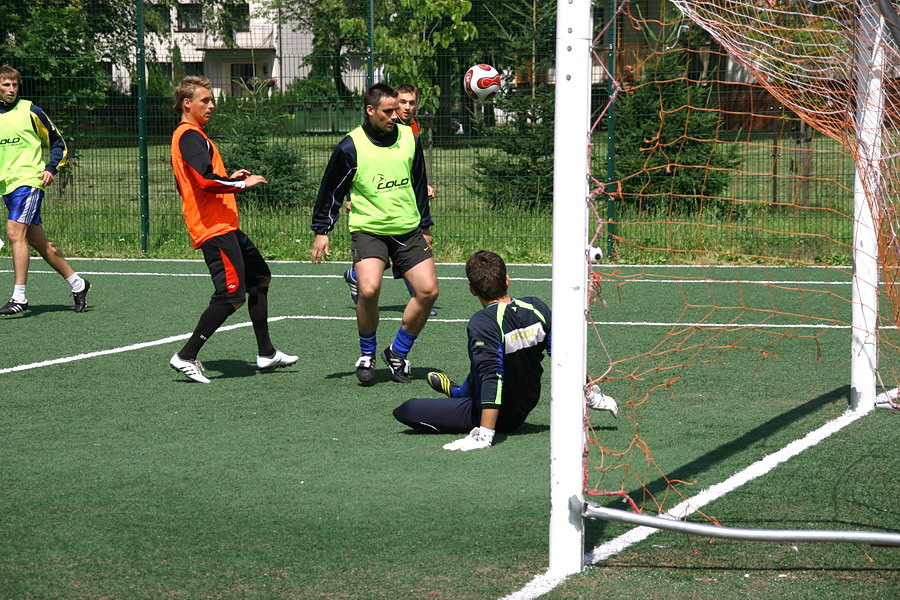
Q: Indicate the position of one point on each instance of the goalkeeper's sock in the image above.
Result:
(75, 282)
(409, 288)
(367, 344)
(211, 319)
(18, 294)
(258, 308)
(403, 343)
(460, 391)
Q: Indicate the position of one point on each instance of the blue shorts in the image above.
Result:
(24, 205)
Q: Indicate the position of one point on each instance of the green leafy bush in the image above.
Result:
(666, 144)
(243, 129)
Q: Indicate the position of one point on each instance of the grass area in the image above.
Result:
(779, 210)
(120, 480)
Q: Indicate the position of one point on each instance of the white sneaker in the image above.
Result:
(192, 369)
(279, 359)
(597, 400)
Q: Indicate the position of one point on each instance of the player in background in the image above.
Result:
(24, 130)
(381, 166)
(210, 212)
(407, 105)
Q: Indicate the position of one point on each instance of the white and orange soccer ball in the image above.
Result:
(481, 82)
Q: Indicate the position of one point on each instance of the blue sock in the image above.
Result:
(403, 343)
(409, 288)
(353, 275)
(460, 391)
(367, 344)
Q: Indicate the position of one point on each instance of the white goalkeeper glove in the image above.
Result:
(478, 438)
(597, 400)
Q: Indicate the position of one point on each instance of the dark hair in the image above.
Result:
(487, 275)
(186, 90)
(407, 88)
(11, 73)
(377, 93)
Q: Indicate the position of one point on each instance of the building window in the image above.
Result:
(242, 18)
(158, 18)
(190, 17)
(161, 71)
(193, 68)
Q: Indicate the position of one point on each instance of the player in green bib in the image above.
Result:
(24, 130)
(380, 164)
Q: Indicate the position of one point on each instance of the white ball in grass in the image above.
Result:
(595, 254)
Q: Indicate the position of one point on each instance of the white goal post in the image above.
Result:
(571, 164)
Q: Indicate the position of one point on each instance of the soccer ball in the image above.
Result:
(595, 254)
(481, 82)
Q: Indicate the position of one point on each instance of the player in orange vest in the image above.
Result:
(210, 212)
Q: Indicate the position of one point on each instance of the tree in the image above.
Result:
(408, 39)
(322, 18)
(655, 159)
(520, 176)
(413, 39)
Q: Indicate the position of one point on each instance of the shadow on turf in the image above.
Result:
(595, 529)
(525, 429)
(34, 311)
(231, 369)
(382, 375)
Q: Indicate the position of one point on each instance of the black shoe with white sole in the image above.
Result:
(13, 308)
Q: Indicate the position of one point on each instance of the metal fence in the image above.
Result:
(117, 197)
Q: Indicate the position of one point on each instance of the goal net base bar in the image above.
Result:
(873, 538)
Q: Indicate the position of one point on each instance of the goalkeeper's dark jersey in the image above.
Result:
(506, 346)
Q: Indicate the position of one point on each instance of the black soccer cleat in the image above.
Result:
(441, 383)
(81, 297)
(400, 368)
(365, 370)
(13, 308)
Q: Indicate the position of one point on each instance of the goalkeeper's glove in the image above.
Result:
(478, 438)
(597, 400)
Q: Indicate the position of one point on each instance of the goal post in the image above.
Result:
(868, 122)
(571, 168)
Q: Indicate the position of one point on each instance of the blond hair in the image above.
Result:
(186, 90)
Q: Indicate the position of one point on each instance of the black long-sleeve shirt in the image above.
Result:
(341, 169)
(505, 354)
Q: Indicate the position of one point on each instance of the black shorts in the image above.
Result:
(236, 266)
(402, 252)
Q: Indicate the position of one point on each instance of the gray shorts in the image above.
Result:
(401, 252)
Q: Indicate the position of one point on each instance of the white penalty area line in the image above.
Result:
(545, 583)
(184, 336)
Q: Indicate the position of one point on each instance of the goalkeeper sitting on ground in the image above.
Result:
(507, 340)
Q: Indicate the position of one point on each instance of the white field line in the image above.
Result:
(679, 281)
(543, 584)
(725, 325)
(184, 336)
(206, 275)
